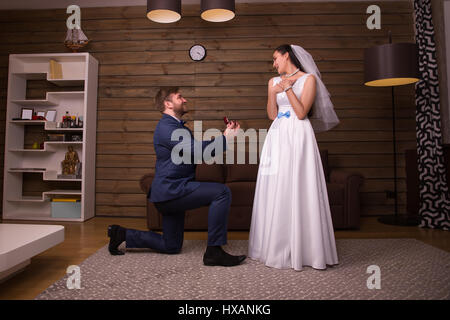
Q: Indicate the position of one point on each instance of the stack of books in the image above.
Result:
(65, 200)
(55, 70)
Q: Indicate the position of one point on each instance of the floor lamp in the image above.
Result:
(389, 65)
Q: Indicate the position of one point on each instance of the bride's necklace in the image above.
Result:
(290, 75)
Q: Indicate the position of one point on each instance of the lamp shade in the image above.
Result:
(392, 64)
(164, 11)
(217, 10)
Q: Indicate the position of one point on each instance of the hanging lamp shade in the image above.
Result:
(217, 10)
(164, 11)
(392, 64)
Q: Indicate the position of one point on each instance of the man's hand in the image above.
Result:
(232, 129)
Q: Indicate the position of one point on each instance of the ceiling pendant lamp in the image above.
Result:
(164, 11)
(217, 10)
(391, 64)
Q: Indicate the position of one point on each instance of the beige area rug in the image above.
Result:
(409, 269)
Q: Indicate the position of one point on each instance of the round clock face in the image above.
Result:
(197, 52)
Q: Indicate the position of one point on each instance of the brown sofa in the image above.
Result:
(343, 192)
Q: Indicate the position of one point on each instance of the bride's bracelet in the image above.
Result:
(290, 87)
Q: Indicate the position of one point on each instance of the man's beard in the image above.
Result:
(181, 110)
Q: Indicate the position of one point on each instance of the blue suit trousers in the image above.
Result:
(215, 195)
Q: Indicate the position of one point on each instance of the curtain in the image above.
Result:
(434, 204)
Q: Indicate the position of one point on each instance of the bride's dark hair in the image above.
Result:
(287, 48)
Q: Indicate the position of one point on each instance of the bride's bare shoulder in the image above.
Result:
(273, 80)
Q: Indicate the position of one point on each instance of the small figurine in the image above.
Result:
(69, 164)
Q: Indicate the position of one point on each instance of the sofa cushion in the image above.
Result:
(240, 218)
(335, 193)
(196, 219)
(146, 182)
(337, 216)
(324, 158)
(242, 193)
(210, 172)
(241, 172)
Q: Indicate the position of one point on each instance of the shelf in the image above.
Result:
(31, 75)
(63, 192)
(73, 180)
(63, 142)
(30, 150)
(37, 103)
(48, 175)
(45, 197)
(48, 143)
(67, 82)
(28, 122)
(53, 176)
(27, 170)
(48, 125)
(45, 76)
(28, 199)
(40, 217)
(65, 129)
(66, 93)
(51, 126)
(52, 99)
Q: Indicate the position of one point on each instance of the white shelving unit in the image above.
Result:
(78, 69)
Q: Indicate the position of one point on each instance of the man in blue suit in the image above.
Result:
(174, 189)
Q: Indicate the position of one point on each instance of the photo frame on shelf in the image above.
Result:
(40, 114)
(76, 137)
(50, 115)
(27, 114)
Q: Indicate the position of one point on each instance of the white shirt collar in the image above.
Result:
(175, 118)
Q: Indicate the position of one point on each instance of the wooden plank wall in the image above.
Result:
(136, 56)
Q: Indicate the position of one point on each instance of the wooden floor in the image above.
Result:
(84, 239)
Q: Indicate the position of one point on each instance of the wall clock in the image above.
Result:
(197, 52)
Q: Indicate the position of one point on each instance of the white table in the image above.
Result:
(20, 242)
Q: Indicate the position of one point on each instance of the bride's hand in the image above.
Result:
(286, 83)
(277, 89)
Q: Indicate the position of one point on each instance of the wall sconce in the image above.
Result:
(164, 11)
(217, 10)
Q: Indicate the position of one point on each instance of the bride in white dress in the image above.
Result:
(291, 221)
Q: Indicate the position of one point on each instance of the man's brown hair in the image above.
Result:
(163, 95)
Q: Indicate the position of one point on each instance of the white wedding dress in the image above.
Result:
(291, 221)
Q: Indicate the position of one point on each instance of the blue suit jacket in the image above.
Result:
(171, 180)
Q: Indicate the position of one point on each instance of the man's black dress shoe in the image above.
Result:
(116, 235)
(216, 256)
